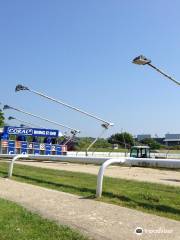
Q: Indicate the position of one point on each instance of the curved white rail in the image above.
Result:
(11, 165)
(153, 162)
(90, 160)
(101, 174)
(166, 163)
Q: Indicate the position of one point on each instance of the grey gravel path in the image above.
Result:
(96, 219)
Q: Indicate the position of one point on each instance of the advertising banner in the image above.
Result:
(38, 132)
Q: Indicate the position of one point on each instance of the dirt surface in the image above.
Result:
(98, 220)
(169, 177)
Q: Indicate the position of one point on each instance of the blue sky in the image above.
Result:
(81, 52)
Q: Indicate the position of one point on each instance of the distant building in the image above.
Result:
(141, 137)
(172, 139)
(159, 140)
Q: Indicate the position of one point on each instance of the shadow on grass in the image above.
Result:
(88, 197)
(3, 174)
(159, 208)
(171, 180)
(55, 185)
(116, 198)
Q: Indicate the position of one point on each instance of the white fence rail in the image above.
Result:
(97, 154)
(121, 154)
(104, 162)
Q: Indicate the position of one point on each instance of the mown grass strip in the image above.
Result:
(16, 223)
(153, 198)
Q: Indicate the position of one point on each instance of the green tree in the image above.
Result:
(83, 143)
(102, 143)
(123, 139)
(1, 118)
(151, 143)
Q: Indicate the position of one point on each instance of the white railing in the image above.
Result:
(90, 160)
(11, 165)
(121, 154)
(97, 154)
(153, 162)
(101, 174)
(104, 162)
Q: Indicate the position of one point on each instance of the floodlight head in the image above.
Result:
(107, 125)
(11, 118)
(6, 107)
(74, 132)
(141, 60)
(20, 87)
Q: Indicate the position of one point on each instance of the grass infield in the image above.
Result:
(16, 223)
(162, 200)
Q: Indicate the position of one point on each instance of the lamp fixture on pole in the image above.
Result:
(142, 60)
(20, 87)
(105, 124)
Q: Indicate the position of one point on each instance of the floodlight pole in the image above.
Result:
(44, 119)
(71, 137)
(15, 118)
(141, 60)
(95, 140)
(20, 88)
(105, 124)
(164, 74)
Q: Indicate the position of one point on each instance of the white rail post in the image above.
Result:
(101, 174)
(11, 165)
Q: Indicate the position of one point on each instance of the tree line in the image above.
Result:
(124, 140)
